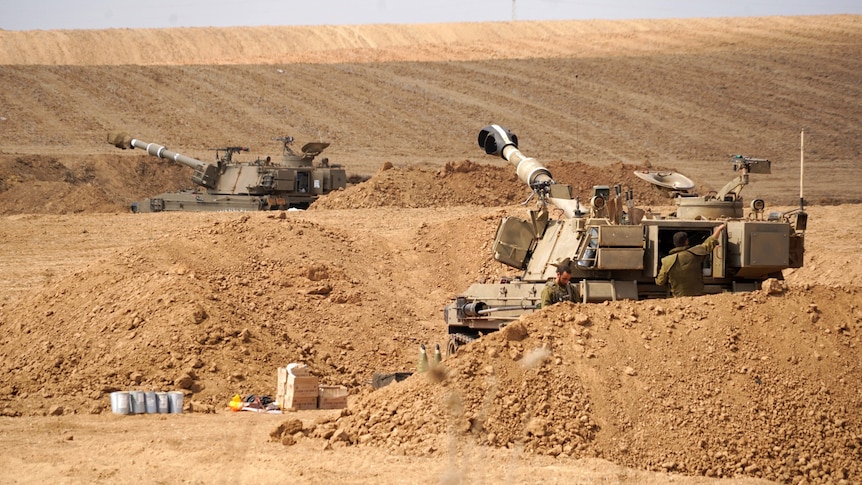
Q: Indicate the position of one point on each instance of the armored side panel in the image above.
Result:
(619, 247)
(206, 176)
(559, 241)
(592, 291)
(513, 242)
(797, 250)
(325, 180)
(284, 180)
(758, 248)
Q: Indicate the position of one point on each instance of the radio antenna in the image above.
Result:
(801, 167)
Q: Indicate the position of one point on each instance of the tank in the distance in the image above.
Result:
(295, 181)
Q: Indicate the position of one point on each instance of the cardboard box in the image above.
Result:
(282, 382)
(302, 385)
(297, 391)
(332, 397)
(301, 403)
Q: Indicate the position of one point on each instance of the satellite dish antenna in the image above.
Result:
(667, 180)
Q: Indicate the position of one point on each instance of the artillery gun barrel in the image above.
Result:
(124, 141)
(496, 140)
(205, 174)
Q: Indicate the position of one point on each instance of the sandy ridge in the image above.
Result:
(424, 42)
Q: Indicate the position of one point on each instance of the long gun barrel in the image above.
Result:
(205, 174)
(497, 140)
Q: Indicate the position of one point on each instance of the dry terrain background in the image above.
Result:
(738, 387)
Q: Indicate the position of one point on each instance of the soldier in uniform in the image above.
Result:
(560, 289)
(682, 270)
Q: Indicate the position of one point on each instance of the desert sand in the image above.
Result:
(739, 388)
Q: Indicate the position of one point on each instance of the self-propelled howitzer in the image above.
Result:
(614, 249)
(226, 185)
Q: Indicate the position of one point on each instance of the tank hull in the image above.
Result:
(194, 201)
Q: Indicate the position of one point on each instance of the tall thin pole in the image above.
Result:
(513, 10)
(801, 166)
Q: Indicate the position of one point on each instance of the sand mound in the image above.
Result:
(685, 385)
(470, 183)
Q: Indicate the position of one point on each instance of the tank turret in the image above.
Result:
(613, 248)
(295, 182)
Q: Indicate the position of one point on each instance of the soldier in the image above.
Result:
(560, 289)
(682, 270)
